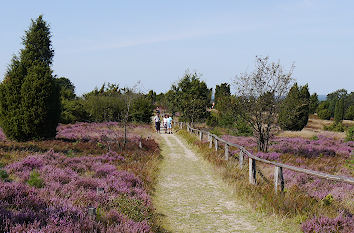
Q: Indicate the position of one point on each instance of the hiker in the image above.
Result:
(165, 122)
(157, 122)
(157, 110)
(169, 124)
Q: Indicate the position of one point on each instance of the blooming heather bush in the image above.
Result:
(96, 132)
(61, 205)
(317, 187)
(323, 224)
(268, 156)
(324, 146)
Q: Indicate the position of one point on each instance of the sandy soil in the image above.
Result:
(193, 198)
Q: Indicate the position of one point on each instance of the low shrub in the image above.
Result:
(324, 114)
(337, 127)
(3, 175)
(325, 224)
(243, 128)
(212, 120)
(35, 180)
(350, 134)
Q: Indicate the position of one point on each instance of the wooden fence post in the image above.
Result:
(140, 143)
(216, 144)
(278, 179)
(240, 159)
(226, 151)
(200, 135)
(92, 211)
(252, 170)
(211, 142)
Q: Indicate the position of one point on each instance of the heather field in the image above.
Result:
(85, 180)
(316, 204)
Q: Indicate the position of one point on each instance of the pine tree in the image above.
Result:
(314, 102)
(30, 104)
(294, 111)
(339, 110)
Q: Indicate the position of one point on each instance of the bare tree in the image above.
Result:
(129, 95)
(260, 93)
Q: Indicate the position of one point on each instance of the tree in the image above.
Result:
(339, 111)
(349, 113)
(314, 102)
(30, 104)
(191, 96)
(260, 93)
(333, 97)
(151, 96)
(66, 87)
(142, 109)
(221, 91)
(294, 111)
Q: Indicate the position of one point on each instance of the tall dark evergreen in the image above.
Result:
(191, 97)
(339, 110)
(294, 111)
(222, 90)
(29, 96)
(314, 102)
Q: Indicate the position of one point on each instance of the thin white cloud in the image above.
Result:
(147, 40)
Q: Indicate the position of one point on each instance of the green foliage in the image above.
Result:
(349, 113)
(151, 96)
(131, 208)
(104, 108)
(35, 180)
(243, 128)
(315, 138)
(294, 111)
(29, 97)
(142, 109)
(328, 200)
(339, 111)
(216, 131)
(333, 97)
(212, 120)
(191, 97)
(324, 114)
(335, 126)
(350, 134)
(111, 103)
(221, 91)
(73, 111)
(3, 175)
(314, 102)
(66, 87)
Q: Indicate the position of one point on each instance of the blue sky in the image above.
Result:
(157, 41)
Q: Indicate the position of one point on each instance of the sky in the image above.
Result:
(157, 41)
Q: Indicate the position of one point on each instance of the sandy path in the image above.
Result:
(193, 198)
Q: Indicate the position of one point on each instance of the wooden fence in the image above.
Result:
(279, 182)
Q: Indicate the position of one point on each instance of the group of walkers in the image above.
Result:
(167, 122)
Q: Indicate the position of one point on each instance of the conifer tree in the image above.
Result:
(294, 111)
(29, 97)
(339, 110)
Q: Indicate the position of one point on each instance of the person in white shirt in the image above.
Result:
(157, 122)
(165, 122)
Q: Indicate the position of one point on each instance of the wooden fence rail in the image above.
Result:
(278, 167)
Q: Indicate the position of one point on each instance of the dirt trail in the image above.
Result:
(194, 198)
